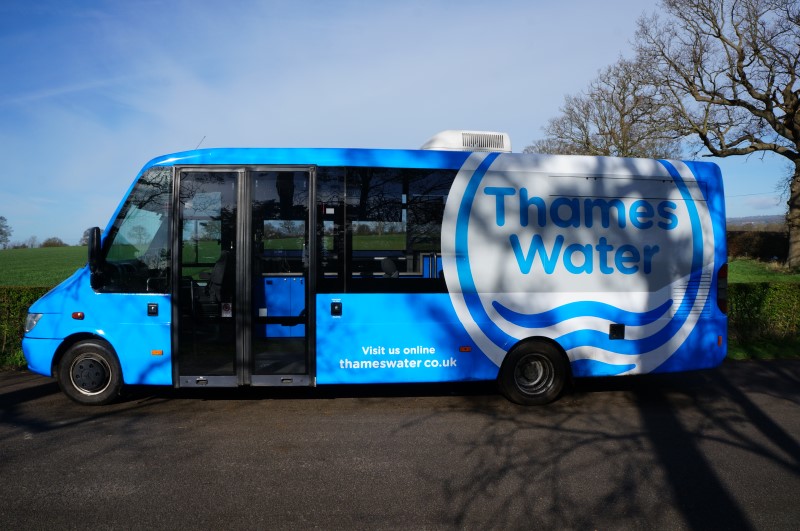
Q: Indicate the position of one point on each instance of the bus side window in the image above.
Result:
(137, 248)
(394, 221)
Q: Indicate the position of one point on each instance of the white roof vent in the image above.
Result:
(454, 140)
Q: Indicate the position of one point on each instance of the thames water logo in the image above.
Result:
(547, 246)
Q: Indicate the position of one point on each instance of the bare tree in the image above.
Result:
(5, 232)
(85, 237)
(617, 115)
(139, 234)
(727, 70)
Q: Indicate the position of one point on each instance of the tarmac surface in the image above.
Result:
(709, 450)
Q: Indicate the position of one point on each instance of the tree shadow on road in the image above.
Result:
(643, 451)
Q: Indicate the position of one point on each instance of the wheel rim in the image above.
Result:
(90, 374)
(534, 374)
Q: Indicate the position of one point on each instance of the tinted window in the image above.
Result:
(394, 219)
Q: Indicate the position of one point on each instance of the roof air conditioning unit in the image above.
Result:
(455, 140)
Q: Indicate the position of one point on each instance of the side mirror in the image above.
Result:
(95, 256)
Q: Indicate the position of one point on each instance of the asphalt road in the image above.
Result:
(712, 450)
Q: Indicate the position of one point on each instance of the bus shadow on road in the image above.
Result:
(17, 387)
(644, 388)
(329, 392)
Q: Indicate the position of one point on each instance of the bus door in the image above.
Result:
(242, 300)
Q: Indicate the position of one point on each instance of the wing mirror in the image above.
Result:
(96, 259)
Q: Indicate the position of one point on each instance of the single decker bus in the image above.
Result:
(459, 261)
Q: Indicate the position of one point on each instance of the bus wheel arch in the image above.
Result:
(88, 371)
(534, 372)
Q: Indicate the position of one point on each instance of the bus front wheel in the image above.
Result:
(533, 373)
(89, 373)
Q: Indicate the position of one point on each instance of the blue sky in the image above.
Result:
(91, 90)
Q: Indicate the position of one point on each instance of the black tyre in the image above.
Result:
(89, 373)
(533, 373)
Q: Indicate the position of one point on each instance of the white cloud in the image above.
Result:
(764, 202)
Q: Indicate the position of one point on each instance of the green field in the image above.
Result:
(49, 266)
(741, 270)
(40, 267)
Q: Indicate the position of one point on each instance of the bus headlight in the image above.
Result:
(31, 321)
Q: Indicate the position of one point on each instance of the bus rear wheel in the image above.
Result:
(533, 373)
(89, 373)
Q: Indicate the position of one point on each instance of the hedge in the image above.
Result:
(14, 303)
(758, 311)
(764, 246)
(763, 311)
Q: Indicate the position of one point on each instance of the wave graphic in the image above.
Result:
(592, 351)
(590, 367)
(582, 309)
(661, 338)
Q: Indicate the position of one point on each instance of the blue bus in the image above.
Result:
(459, 261)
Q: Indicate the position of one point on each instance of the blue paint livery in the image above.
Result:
(415, 337)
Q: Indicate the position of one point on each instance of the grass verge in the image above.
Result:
(785, 349)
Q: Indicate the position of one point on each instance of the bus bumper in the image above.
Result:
(39, 354)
